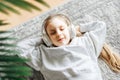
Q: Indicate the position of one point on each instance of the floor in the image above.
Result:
(15, 19)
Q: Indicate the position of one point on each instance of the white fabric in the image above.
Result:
(76, 61)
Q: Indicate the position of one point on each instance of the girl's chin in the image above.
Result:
(63, 44)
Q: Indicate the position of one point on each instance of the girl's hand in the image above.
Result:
(78, 32)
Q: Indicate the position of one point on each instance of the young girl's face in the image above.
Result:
(58, 32)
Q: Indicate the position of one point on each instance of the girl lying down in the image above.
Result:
(67, 54)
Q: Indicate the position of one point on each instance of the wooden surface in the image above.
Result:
(15, 19)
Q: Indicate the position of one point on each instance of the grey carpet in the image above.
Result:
(105, 10)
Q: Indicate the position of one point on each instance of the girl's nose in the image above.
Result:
(59, 32)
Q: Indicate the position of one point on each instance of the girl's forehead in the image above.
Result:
(57, 22)
(58, 19)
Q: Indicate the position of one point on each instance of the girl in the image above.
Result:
(62, 55)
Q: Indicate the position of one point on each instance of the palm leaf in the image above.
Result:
(16, 70)
(8, 58)
(14, 67)
(7, 45)
(1, 32)
(6, 38)
(4, 7)
(25, 5)
(11, 78)
(3, 23)
(42, 2)
(8, 51)
(11, 66)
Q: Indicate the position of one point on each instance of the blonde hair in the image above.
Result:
(111, 58)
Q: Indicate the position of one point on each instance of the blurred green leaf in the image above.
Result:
(4, 8)
(14, 67)
(42, 2)
(6, 38)
(11, 66)
(4, 32)
(8, 58)
(23, 4)
(3, 23)
(11, 78)
(9, 51)
(7, 45)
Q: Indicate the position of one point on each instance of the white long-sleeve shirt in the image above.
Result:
(76, 61)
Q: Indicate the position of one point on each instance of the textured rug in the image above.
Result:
(105, 10)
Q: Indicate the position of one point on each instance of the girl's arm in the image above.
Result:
(78, 32)
(107, 55)
(29, 50)
(95, 32)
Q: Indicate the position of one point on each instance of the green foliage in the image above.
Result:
(7, 6)
(25, 5)
(11, 66)
(3, 23)
(42, 2)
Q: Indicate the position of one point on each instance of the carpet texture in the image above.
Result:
(105, 10)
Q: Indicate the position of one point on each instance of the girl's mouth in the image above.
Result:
(61, 39)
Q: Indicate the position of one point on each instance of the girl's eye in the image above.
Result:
(62, 29)
(52, 33)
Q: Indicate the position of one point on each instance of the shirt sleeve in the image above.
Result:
(95, 33)
(29, 50)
